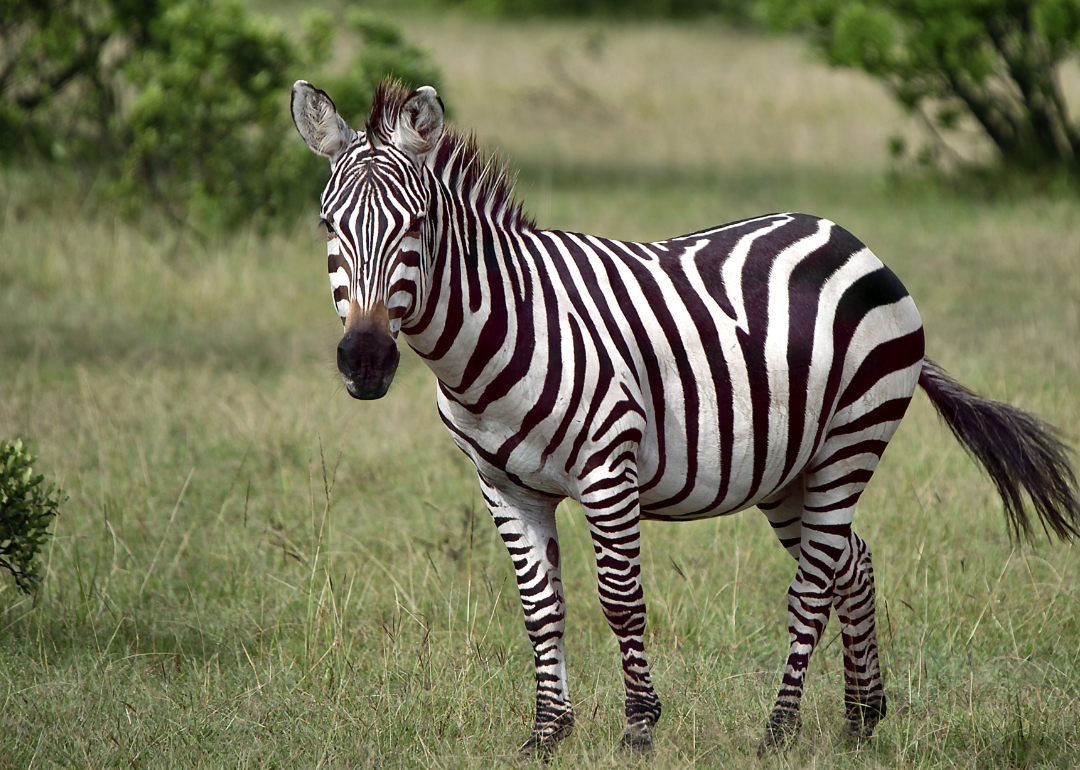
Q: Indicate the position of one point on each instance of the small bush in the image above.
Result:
(204, 128)
(26, 510)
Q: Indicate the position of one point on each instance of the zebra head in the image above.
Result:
(374, 207)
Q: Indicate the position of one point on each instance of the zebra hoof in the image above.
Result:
(537, 747)
(862, 718)
(637, 739)
(541, 744)
(781, 727)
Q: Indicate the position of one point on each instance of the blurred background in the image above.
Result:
(249, 568)
(176, 103)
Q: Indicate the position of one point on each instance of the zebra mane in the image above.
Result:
(483, 180)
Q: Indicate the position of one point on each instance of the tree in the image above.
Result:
(385, 52)
(53, 51)
(997, 61)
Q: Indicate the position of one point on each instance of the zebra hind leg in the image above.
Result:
(809, 600)
(824, 540)
(784, 512)
(831, 572)
(835, 569)
(834, 563)
(864, 692)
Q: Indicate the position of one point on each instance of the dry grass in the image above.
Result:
(694, 95)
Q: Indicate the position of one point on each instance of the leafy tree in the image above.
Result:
(53, 51)
(997, 61)
(182, 102)
(26, 510)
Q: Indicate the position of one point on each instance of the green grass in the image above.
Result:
(254, 570)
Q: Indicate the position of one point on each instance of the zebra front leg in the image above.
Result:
(527, 527)
(864, 692)
(611, 507)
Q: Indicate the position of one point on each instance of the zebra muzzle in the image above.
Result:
(367, 355)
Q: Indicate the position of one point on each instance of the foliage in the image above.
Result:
(53, 51)
(996, 61)
(26, 510)
(206, 116)
(385, 53)
(735, 10)
(182, 102)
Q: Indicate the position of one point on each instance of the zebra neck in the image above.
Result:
(476, 282)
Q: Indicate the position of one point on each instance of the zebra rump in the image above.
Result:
(1020, 452)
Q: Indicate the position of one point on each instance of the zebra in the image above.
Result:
(765, 362)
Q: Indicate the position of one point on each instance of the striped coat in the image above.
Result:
(718, 358)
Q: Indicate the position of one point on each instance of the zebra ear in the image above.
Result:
(318, 122)
(420, 124)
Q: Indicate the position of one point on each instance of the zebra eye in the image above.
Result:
(324, 222)
(414, 230)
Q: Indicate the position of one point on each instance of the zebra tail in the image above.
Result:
(1019, 451)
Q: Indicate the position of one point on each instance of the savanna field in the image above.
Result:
(255, 570)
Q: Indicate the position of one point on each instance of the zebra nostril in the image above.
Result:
(342, 361)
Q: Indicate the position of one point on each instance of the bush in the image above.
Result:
(994, 61)
(53, 52)
(26, 510)
(181, 102)
(204, 127)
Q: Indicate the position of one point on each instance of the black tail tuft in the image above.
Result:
(1018, 450)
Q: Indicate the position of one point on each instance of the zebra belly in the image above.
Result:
(714, 470)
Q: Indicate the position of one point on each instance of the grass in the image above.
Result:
(255, 570)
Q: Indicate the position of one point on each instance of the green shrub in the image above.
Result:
(52, 53)
(204, 126)
(183, 103)
(26, 510)
(996, 62)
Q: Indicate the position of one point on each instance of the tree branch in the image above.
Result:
(1027, 62)
(1000, 127)
(86, 61)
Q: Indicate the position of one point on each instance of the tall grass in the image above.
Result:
(255, 570)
